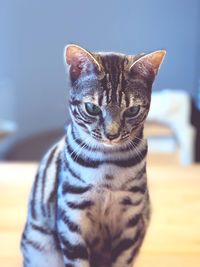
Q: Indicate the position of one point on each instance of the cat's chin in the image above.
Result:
(108, 144)
(113, 144)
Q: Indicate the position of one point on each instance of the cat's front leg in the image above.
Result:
(73, 246)
(39, 246)
(127, 247)
(75, 253)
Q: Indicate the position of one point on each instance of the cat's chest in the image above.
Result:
(107, 175)
(102, 203)
(108, 214)
(106, 186)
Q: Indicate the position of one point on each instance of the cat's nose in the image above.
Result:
(112, 136)
(112, 130)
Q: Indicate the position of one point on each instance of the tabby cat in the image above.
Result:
(89, 205)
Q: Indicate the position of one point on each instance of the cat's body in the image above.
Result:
(89, 205)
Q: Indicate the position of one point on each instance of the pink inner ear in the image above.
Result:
(71, 55)
(79, 64)
(75, 69)
(142, 67)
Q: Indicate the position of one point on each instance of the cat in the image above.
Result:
(89, 205)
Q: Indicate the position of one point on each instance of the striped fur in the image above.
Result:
(89, 205)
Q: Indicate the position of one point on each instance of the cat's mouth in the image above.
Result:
(111, 143)
(105, 141)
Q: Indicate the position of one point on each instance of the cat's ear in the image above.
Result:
(147, 66)
(80, 62)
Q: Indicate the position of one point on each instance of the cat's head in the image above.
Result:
(110, 93)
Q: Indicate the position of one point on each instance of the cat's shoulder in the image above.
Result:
(54, 152)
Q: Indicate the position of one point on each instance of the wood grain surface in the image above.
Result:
(173, 238)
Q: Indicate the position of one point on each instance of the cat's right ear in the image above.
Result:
(147, 65)
(80, 62)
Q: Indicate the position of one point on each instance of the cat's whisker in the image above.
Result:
(79, 151)
(142, 140)
(133, 146)
(80, 148)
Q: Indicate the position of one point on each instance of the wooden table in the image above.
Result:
(173, 239)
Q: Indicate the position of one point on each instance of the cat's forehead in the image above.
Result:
(115, 84)
(109, 54)
(111, 61)
(114, 87)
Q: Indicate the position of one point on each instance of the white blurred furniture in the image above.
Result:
(7, 128)
(170, 112)
(7, 115)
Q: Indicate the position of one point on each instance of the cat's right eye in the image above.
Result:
(92, 109)
(132, 111)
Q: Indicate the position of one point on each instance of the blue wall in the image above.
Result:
(33, 34)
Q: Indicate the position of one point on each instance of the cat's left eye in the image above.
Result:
(92, 109)
(132, 111)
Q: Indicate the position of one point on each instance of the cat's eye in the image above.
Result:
(132, 111)
(92, 109)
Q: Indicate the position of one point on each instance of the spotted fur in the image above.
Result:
(89, 205)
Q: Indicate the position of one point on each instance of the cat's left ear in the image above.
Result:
(80, 62)
(148, 65)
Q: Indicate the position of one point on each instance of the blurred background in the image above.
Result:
(33, 108)
(33, 83)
